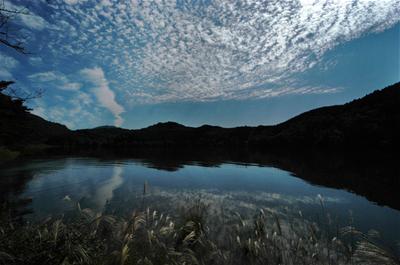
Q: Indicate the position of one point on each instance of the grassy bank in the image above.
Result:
(193, 235)
(7, 154)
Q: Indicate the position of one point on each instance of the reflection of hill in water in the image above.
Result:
(374, 176)
(13, 184)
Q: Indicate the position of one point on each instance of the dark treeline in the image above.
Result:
(370, 122)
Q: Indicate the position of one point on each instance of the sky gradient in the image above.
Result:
(227, 63)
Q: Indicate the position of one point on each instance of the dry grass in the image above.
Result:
(194, 236)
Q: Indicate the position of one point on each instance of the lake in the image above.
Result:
(44, 187)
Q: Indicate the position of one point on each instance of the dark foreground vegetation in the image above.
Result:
(196, 233)
(370, 122)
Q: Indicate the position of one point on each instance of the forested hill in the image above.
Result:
(19, 127)
(372, 121)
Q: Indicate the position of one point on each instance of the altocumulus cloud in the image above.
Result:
(103, 93)
(158, 51)
(30, 19)
(57, 79)
(7, 65)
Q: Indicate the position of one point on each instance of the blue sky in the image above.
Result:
(227, 63)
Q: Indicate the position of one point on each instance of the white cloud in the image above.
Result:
(5, 74)
(40, 111)
(104, 94)
(78, 111)
(56, 79)
(28, 18)
(71, 2)
(35, 61)
(159, 51)
(33, 21)
(8, 61)
(71, 86)
(6, 66)
(46, 76)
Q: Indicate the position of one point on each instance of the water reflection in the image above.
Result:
(51, 186)
(105, 191)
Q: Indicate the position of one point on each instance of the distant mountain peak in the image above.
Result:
(371, 121)
(106, 127)
(166, 125)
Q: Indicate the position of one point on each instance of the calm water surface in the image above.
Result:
(54, 186)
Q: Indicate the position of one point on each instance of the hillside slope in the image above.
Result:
(372, 121)
(19, 128)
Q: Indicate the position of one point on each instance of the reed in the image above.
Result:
(193, 236)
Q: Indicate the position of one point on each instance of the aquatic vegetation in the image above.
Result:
(192, 236)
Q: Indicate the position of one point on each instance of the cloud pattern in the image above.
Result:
(99, 56)
(164, 50)
(7, 65)
(104, 94)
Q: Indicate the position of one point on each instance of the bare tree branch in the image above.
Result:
(16, 46)
(14, 42)
(6, 38)
(5, 84)
(18, 95)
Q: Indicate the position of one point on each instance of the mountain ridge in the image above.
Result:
(370, 121)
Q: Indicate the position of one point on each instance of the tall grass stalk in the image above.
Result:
(193, 236)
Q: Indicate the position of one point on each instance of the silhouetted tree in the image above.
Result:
(12, 99)
(18, 94)
(9, 38)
